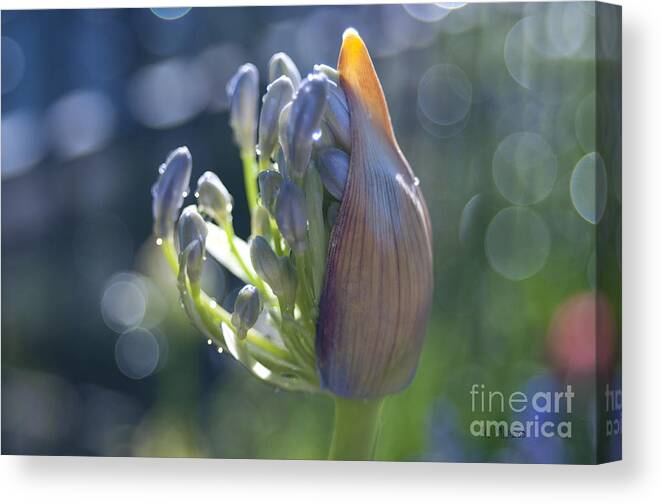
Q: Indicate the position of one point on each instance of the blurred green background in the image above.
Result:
(509, 115)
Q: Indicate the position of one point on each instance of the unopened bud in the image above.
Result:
(281, 64)
(192, 233)
(247, 307)
(337, 116)
(283, 137)
(304, 120)
(170, 190)
(243, 93)
(332, 74)
(333, 169)
(213, 198)
(275, 271)
(291, 216)
(260, 222)
(278, 94)
(269, 182)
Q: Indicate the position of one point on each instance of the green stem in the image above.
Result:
(356, 429)
(250, 179)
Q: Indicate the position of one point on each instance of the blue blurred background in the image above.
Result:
(508, 113)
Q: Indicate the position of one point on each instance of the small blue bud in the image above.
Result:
(281, 64)
(275, 271)
(283, 137)
(304, 120)
(337, 116)
(192, 232)
(243, 93)
(213, 198)
(278, 94)
(333, 169)
(170, 190)
(332, 74)
(291, 216)
(260, 222)
(265, 262)
(269, 182)
(247, 307)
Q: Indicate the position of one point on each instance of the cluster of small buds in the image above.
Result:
(295, 159)
(338, 265)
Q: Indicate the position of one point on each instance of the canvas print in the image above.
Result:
(359, 232)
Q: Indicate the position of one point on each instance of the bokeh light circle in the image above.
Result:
(427, 13)
(171, 13)
(445, 94)
(123, 304)
(588, 187)
(517, 243)
(137, 353)
(13, 64)
(524, 168)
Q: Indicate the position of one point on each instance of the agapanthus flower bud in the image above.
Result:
(283, 137)
(378, 287)
(247, 307)
(333, 168)
(192, 232)
(291, 216)
(304, 119)
(243, 93)
(265, 262)
(213, 198)
(336, 116)
(169, 191)
(269, 182)
(261, 222)
(275, 271)
(330, 72)
(278, 94)
(281, 64)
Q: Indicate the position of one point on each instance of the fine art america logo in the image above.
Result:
(542, 414)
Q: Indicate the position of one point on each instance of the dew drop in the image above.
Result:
(416, 181)
(197, 195)
(213, 303)
(159, 242)
(220, 350)
(161, 169)
(185, 194)
(316, 135)
(209, 342)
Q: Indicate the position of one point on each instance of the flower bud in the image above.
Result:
(265, 262)
(304, 119)
(379, 276)
(337, 116)
(192, 232)
(283, 121)
(260, 222)
(278, 94)
(281, 64)
(334, 169)
(332, 74)
(247, 307)
(275, 271)
(243, 93)
(291, 216)
(170, 190)
(213, 198)
(269, 182)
